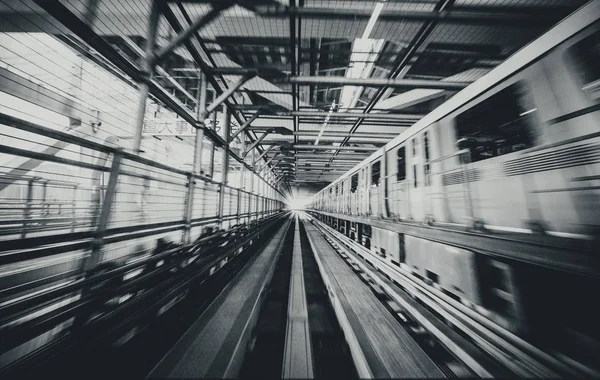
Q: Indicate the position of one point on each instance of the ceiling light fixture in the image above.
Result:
(325, 122)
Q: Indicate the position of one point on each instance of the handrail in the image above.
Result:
(43, 298)
(66, 137)
(62, 136)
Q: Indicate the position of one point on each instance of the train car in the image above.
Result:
(517, 151)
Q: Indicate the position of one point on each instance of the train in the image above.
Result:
(516, 152)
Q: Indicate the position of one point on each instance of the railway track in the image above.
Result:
(313, 303)
(484, 348)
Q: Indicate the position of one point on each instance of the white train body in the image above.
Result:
(517, 151)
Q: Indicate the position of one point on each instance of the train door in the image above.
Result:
(428, 191)
(416, 187)
(362, 192)
(374, 195)
(354, 194)
(399, 196)
(346, 197)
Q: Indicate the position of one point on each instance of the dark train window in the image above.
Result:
(414, 146)
(375, 173)
(401, 173)
(426, 145)
(586, 58)
(426, 167)
(354, 183)
(496, 126)
(415, 175)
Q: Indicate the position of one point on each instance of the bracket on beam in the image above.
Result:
(217, 7)
(246, 125)
(268, 162)
(255, 143)
(226, 94)
(263, 154)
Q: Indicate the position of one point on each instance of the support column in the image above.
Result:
(197, 163)
(146, 74)
(104, 217)
(224, 166)
(212, 152)
(242, 174)
(255, 187)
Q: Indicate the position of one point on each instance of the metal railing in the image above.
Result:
(63, 213)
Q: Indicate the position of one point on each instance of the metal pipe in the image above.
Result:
(212, 151)
(224, 167)
(200, 110)
(325, 156)
(379, 82)
(346, 134)
(335, 147)
(92, 260)
(146, 74)
(197, 163)
(187, 33)
(382, 116)
(461, 17)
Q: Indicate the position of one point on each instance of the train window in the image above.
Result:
(586, 55)
(375, 173)
(414, 146)
(496, 126)
(426, 167)
(401, 173)
(415, 175)
(354, 183)
(426, 145)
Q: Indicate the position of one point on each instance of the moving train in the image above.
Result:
(517, 151)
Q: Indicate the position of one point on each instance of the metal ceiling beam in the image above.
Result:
(400, 70)
(336, 147)
(478, 17)
(355, 156)
(378, 82)
(174, 22)
(382, 116)
(346, 134)
(84, 31)
(162, 72)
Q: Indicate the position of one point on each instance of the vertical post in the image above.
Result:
(197, 163)
(45, 206)
(102, 224)
(74, 209)
(250, 192)
(384, 185)
(224, 166)
(254, 185)
(242, 175)
(27, 210)
(146, 74)
(466, 159)
(212, 151)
